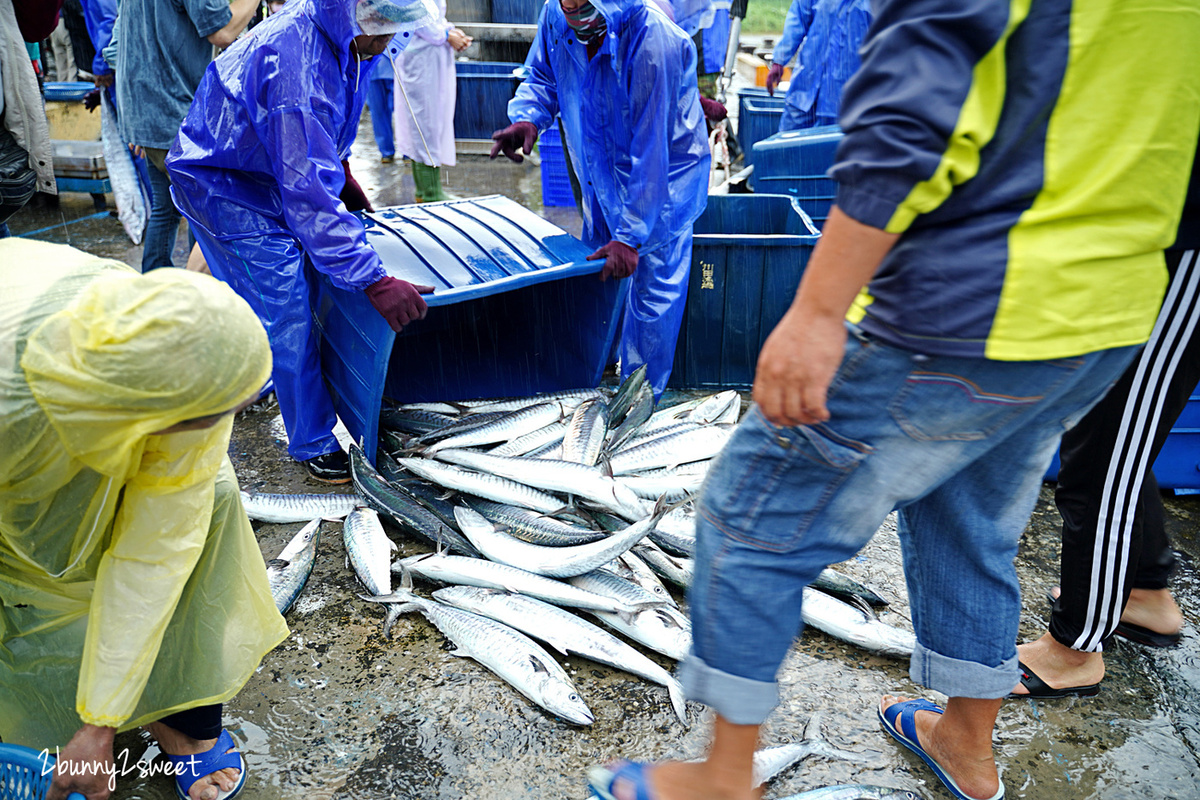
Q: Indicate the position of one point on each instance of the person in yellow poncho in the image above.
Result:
(132, 591)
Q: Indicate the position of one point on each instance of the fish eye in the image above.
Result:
(573, 696)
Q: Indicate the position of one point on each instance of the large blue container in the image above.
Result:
(758, 117)
(520, 12)
(795, 163)
(484, 89)
(1178, 463)
(748, 253)
(517, 310)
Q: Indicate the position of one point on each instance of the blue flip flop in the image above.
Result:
(189, 769)
(602, 779)
(899, 720)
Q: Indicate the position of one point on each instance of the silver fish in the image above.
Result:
(669, 451)
(645, 436)
(675, 484)
(554, 562)
(663, 629)
(461, 425)
(298, 507)
(533, 527)
(369, 550)
(846, 588)
(676, 532)
(288, 572)
(490, 575)
(854, 625)
(723, 407)
(630, 566)
(510, 426)
(672, 415)
(856, 791)
(569, 397)
(563, 631)
(626, 394)
(516, 658)
(585, 433)
(491, 487)
(555, 476)
(639, 412)
(534, 440)
(678, 570)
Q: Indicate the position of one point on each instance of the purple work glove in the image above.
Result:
(621, 260)
(353, 195)
(519, 134)
(91, 100)
(774, 76)
(397, 301)
(713, 111)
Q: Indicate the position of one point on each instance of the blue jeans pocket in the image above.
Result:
(771, 481)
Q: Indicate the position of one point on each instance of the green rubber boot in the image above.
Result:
(428, 181)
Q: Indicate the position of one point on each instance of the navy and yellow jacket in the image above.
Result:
(1035, 155)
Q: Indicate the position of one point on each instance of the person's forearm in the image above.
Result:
(242, 11)
(844, 260)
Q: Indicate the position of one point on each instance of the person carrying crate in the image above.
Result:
(623, 78)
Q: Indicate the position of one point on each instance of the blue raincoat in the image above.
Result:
(639, 144)
(257, 171)
(828, 34)
(715, 43)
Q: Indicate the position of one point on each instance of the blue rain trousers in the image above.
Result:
(827, 34)
(380, 101)
(639, 144)
(257, 171)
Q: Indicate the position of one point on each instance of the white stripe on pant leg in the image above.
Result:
(1123, 482)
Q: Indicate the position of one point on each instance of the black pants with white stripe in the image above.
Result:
(1113, 536)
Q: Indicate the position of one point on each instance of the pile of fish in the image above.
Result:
(539, 509)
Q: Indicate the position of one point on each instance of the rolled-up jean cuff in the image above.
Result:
(741, 701)
(954, 677)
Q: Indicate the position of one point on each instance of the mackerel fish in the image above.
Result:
(369, 550)
(534, 440)
(462, 425)
(675, 484)
(627, 392)
(854, 625)
(517, 659)
(846, 588)
(490, 575)
(640, 411)
(491, 487)
(856, 791)
(555, 476)
(670, 451)
(298, 507)
(675, 569)
(634, 569)
(533, 527)
(585, 433)
(644, 436)
(563, 631)
(663, 629)
(288, 572)
(568, 397)
(554, 562)
(403, 507)
(509, 426)
(723, 407)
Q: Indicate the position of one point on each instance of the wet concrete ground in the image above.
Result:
(336, 711)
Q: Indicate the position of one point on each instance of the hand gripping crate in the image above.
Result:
(517, 310)
(748, 253)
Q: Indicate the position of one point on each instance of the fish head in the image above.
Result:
(564, 700)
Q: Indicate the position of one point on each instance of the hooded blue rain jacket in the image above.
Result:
(828, 34)
(257, 170)
(639, 144)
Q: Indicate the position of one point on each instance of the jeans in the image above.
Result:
(163, 225)
(958, 445)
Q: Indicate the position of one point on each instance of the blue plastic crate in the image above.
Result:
(25, 774)
(758, 117)
(520, 12)
(795, 163)
(556, 181)
(1178, 463)
(67, 90)
(748, 253)
(517, 310)
(484, 89)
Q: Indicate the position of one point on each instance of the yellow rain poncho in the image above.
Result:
(131, 585)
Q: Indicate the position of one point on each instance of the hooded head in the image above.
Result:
(135, 354)
(342, 20)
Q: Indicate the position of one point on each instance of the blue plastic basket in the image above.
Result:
(25, 774)
(556, 181)
(758, 117)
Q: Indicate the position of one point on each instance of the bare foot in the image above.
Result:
(960, 742)
(1153, 609)
(1058, 665)
(174, 743)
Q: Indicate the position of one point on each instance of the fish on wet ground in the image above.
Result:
(554, 562)
(584, 437)
(855, 624)
(288, 572)
(532, 526)
(298, 507)
(504, 428)
(491, 487)
(369, 550)
(512, 655)
(844, 587)
(563, 631)
(490, 575)
(857, 791)
(686, 446)
(662, 628)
